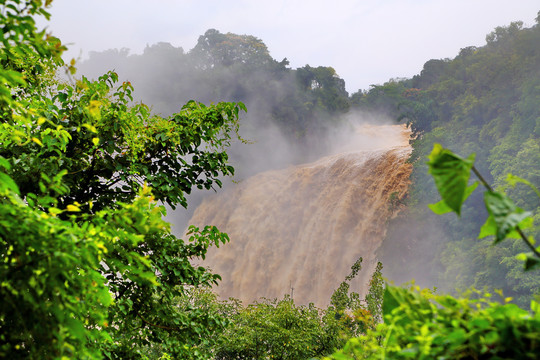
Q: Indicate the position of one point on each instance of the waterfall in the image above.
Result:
(303, 227)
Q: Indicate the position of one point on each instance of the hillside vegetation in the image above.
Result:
(90, 270)
(484, 101)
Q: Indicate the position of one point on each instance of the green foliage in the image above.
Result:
(382, 100)
(89, 269)
(217, 49)
(207, 318)
(109, 149)
(483, 101)
(341, 299)
(272, 329)
(356, 314)
(421, 325)
(280, 330)
(323, 88)
(53, 297)
(25, 53)
(451, 174)
(375, 294)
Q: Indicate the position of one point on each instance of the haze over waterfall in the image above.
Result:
(303, 227)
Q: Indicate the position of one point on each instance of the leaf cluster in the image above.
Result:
(89, 269)
(451, 174)
(421, 325)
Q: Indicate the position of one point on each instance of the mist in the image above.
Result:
(297, 117)
(284, 125)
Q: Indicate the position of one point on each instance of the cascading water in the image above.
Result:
(303, 227)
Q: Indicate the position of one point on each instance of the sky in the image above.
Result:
(366, 41)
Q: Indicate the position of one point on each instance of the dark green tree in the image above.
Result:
(89, 269)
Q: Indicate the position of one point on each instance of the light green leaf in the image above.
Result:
(489, 228)
(440, 207)
(54, 211)
(76, 328)
(90, 127)
(105, 297)
(451, 174)
(4, 163)
(505, 214)
(7, 183)
(535, 307)
(513, 180)
(94, 109)
(72, 208)
(37, 141)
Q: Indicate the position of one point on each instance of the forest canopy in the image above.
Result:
(484, 101)
(90, 269)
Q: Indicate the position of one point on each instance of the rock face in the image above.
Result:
(304, 227)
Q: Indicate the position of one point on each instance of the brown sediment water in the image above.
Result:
(300, 229)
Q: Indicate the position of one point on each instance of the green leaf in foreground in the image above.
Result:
(440, 207)
(451, 174)
(531, 262)
(503, 214)
(390, 302)
(7, 184)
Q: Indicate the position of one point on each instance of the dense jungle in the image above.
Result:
(215, 203)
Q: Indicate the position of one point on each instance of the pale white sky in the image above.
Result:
(366, 41)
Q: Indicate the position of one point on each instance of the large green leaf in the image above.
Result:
(441, 207)
(490, 228)
(7, 184)
(390, 300)
(531, 262)
(451, 174)
(504, 214)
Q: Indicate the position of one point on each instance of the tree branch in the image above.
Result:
(158, 326)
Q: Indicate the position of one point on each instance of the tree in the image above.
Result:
(280, 330)
(324, 88)
(88, 267)
(382, 100)
(216, 49)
